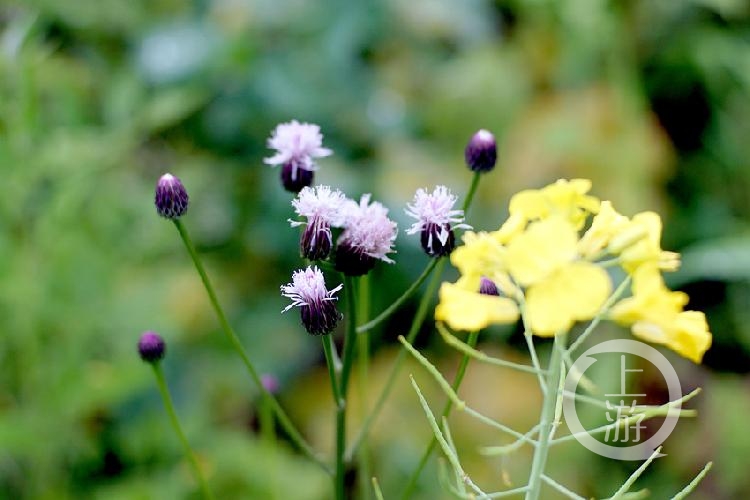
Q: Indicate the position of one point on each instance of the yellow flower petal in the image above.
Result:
(545, 246)
(480, 255)
(564, 198)
(575, 292)
(467, 310)
(687, 334)
(605, 225)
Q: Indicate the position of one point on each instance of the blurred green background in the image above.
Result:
(98, 98)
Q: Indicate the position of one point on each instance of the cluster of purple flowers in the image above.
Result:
(367, 234)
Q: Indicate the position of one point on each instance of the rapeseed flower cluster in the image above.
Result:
(550, 259)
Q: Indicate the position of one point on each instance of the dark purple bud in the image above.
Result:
(316, 240)
(151, 347)
(294, 178)
(321, 317)
(481, 152)
(438, 240)
(171, 198)
(487, 287)
(352, 261)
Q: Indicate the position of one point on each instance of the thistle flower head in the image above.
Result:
(481, 152)
(317, 304)
(368, 236)
(151, 347)
(297, 145)
(171, 198)
(323, 209)
(436, 220)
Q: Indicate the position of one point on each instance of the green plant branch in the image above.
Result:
(551, 397)
(189, 454)
(620, 493)
(452, 341)
(284, 421)
(400, 301)
(397, 365)
(562, 489)
(694, 483)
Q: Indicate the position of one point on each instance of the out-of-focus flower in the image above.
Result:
(436, 220)
(317, 304)
(566, 198)
(323, 209)
(463, 309)
(368, 236)
(655, 314)
(487, 286)
(297, 145)
(171, 198)
(270, 383)
(640, 243)
(151, 347)
(481, 151)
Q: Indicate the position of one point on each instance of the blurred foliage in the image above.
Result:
(649, 98)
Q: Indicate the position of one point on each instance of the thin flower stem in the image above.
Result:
(635, 475)
(164, 391)
(528, 335)
(562, 489)
(412, 483)
(351, 335)
(338, 479)
(363, 359)
(472, 191)
(416, 324)
(400, 301)
(691, 486)
(328, 349)
(284, 421)
(343, 386)
(549, 404)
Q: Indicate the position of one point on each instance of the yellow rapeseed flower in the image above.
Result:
(640, 243)
(463, 309)
(566, 198)
(655, 314)
(606, 225)
(560, 289)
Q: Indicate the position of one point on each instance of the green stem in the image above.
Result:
(363, 363)
(412, 483)
(416, 324)
(338, 479)
(234, 340)
(162, 384)
(399, 301)
(472, 191)
(551, 397)
(351, 335)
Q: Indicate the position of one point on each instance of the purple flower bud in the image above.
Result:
(316, 240)
(436, 220)
(151, 347)
(294, 178)
(437, 240)
(317, 305)
(481, 152)
(487, 286)
(352, 260)
(270, 383)
(323, 208)
(171, 198)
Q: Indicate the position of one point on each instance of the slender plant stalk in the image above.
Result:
(472, 191)
(286, 423)
(551, 397)
(363, 361)
(412, 483)
(399, 301)
(416, 324)
(333, 368)
(164, 391)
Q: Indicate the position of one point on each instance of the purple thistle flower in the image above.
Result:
(487, 286)
(151, 347)
(171, 199)
(270, 383)
(436, 220)
(317, 305)
(297, 145)
(368, 236)
(323, 209)
(481, 152)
